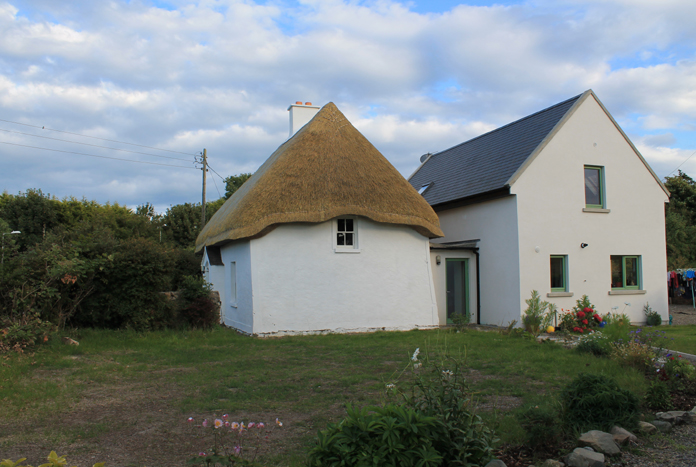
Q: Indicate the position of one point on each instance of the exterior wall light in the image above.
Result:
(438, 259)
(583, 245)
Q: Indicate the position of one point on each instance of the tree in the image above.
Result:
(234, 183)
(680, 220)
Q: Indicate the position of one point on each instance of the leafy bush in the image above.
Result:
(390, 435)
(657, 396)
(596, 402)
(536, 317)
(634, 354)
(616, 330)
(440, 391)
(460, 321)
(585, 316)
(595, 343)
(542, 426)
(18, 334)
(676, 368)
(196, 308)
(652, 318)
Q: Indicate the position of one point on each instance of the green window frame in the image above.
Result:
(626, 272)
(594, 187)
(559, 273)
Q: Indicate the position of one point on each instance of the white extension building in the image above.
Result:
(560, 202)
(325, 236)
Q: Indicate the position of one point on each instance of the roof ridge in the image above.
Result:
(510, 124)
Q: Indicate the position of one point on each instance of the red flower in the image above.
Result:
(581, 315)
(597, 317)
(671, 358)
(588, 310)
(584, 321)
(580, 330)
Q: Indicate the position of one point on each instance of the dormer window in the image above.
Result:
(422, 189)
(346, 234)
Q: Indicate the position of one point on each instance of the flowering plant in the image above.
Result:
(234, 443)
(584, 317)
(678, 368)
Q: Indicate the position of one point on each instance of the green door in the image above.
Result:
(457, 287)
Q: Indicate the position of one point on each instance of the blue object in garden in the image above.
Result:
(602, 324)
(670, 320)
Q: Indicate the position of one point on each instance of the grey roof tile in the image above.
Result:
(485, 163)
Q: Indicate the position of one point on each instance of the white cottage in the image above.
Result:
(325, 236)
(560, 202)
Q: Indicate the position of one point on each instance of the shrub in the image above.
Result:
(634, 354)
(196, 309)
(595, 343)
(390, 435)
(536, 316)
(657, 396)
(676, 368)
(585, 316)
(542, 426)
(652, 318)
(616, 330)
(22, 332)
(596, 402)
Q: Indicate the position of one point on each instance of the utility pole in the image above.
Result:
(205, 169)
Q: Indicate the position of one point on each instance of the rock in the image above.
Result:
(584, 458)
(647, 428)
(668, 417)
(663, 427)
(68, 341)
(680, 416)
(622, 437)
(496, 463)
(600, 442)
(552, 463)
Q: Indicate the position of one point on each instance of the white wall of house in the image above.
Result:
(215, 275)
(440, 280)
(551, 197)
(301, 284)
(495, 224)
(238, 308)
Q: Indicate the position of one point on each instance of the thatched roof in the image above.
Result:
(327, 169)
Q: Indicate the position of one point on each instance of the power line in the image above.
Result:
(94, 155)
(681, 164)
(95, 145)
(221, 177)
(95, 137)
(216, 187)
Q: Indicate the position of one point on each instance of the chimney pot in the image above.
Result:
(307, 103)
(298, 102)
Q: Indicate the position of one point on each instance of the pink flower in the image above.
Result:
(201, 453)
(190, 419)
(205, 423)
(261, 425)
(227, 424)
(224, 417)
(235, 425)
(251, 425)
(237, 449)
(218, 423)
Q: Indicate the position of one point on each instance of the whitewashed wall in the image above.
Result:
(551, 198)
(440, 280)
(495, 223)
(301, 284)
(215, 275)
(238, 313)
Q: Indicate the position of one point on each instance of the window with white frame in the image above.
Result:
(233, 283)
(346, 234)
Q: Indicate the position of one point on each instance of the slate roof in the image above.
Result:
(485, 164)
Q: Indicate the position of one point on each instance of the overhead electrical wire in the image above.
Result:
(681, 164)
(94, 155)
(221, 177)
(216, 187)
(95, 137)
(96, 145)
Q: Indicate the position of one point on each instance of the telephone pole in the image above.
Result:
(205, 170)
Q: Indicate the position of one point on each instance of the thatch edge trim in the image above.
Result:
(267, 223)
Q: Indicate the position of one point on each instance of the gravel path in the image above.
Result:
(682, 315)
(676, 449)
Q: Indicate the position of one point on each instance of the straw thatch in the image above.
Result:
(327, 169)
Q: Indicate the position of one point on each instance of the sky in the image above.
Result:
(171, 78)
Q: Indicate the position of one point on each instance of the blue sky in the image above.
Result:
(413, 77)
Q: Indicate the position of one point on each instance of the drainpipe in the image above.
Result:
(478, 287)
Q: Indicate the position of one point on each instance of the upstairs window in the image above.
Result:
(625, 272)
(594, 187)
(346, 235)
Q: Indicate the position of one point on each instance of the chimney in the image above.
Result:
(300, 115)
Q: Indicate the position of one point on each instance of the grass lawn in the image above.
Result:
(684, 338)
(123, 397)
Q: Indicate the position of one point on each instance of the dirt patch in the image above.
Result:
(682, 314)
(127, 424)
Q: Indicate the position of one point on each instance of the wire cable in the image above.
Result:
(221, 177)
(95, 137)
(216, 187)
(94, 155)
(681, 164)
(96, 145)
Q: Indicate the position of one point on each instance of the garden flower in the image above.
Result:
(242, 427)
(390, 385)
(415, 354)
(417, 365)
(227, 424)
(205, 423)
(237, 449)
(252, 425)
(584, 321)
(190, 419)
(201, 453)
(218, 423)
(278, 422)
(235, 425)
(588, 310)
(581, 314)
(261, 425)
(225, 417)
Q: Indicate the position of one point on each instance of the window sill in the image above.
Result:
(559, 294)
(600, 210)
(346, 250)
(233, 305)
(627, 292)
